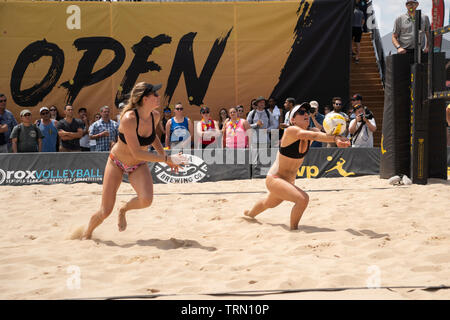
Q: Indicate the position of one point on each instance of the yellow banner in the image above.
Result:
(89, 54)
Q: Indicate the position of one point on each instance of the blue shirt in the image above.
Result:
(8, 118)
(103, 143)
(179, 131)
(50, 134)
(319, 119)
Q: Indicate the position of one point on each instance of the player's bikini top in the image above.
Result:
(143, 141)
(291, 151)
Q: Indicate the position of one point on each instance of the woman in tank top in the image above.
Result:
(207, 129)
(130, 155)
(235, 131)
(280, 180)
(179, 130)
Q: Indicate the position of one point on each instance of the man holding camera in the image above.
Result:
(362, 128)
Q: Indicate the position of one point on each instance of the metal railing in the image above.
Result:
(376, 42)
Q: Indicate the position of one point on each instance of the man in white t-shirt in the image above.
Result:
(361, 128)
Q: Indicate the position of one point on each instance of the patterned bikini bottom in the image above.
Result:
(125, 168)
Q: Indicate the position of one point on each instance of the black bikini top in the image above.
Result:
(143, 141)
(291, 151)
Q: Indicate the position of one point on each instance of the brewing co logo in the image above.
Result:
(194, 171)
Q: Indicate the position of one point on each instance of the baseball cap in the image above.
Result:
(24, 112)
(314, 104)
(153, 88)
(357, 96)
(415, 1)
(43, 109)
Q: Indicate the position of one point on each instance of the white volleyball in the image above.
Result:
(334, 124)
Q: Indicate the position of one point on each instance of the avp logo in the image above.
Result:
(194, 171)
(19, 175)
(339, 167)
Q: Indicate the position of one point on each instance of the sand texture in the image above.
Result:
(194, 240)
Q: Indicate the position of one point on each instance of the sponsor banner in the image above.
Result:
(51, 168)
(91, 54)
(438, 12)
(328, 162)
(204, 166)
(207, 165)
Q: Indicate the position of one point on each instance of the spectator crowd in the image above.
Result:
(234, 128)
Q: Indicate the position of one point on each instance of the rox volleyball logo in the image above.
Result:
(32, 175)
(194, 171)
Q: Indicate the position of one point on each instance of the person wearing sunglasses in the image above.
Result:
(207, 129)
(130, 156)
(26, 136)
(280, 180)
(338, 108)
(54, 114)
(7, 123)
(48, 129)
(179, 130)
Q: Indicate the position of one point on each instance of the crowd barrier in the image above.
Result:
(204, 166)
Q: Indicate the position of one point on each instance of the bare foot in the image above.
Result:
(247, 213)
(122, 220)
(86, 236)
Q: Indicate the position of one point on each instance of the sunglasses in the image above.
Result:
(179, 109)
(4, 100)
(27, 115)
(45, 112)
(203, 112)
(338, 104)
(147, 91)
(302, 112)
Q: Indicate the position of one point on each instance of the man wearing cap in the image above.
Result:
(26, 137)
(7, 123)
(70, 131)
(48, 129)
(362, 128)
(262, 121)
(403, 33)
(105, 131)
(355, 100)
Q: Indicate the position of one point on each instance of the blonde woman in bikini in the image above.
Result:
(280, 180)
(130, 155)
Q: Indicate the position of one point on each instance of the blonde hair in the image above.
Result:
(135, 100)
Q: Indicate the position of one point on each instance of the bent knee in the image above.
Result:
(146, 202)
(303, 199)
(104, 213)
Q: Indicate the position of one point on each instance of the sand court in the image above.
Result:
(194, 240)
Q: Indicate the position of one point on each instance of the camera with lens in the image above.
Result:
(367, 114)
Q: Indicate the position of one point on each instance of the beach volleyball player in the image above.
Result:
(130, 155)
(280, 180)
